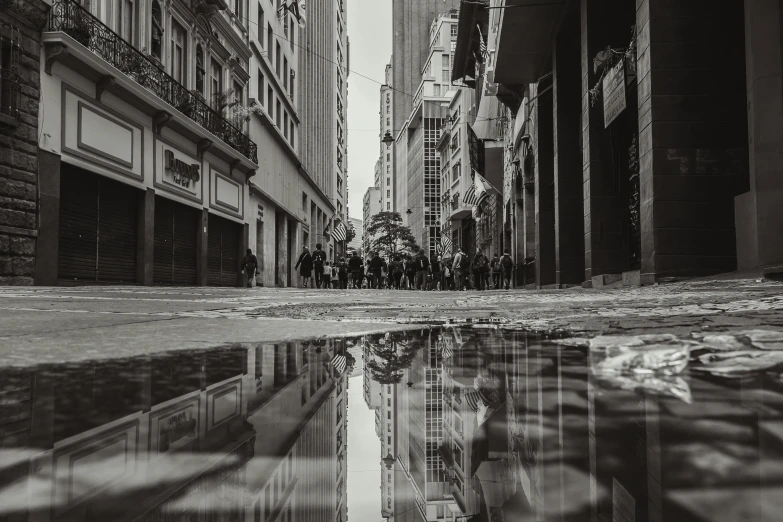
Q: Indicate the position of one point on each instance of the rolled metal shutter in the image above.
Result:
(118, 206)
(176, 243)
(222, 252)
(78, 247)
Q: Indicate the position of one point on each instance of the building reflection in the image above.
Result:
(239, 433)
(486, 425)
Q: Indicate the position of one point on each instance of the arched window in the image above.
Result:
(157, 30)
(200, 71)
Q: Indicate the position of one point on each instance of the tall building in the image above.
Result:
(179, 141)
(418, 160)
(385, 176)
(358, 227)
(287, 199)
(372, 206)
(323, 97)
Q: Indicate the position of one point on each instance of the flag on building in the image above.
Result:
(340, 233)
(482, 43)
(338, 363)
(470, 198)
(482, 188)
(446, 244)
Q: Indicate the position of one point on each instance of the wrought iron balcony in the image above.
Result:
(72, 19)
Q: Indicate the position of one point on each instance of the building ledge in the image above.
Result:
(62, 48)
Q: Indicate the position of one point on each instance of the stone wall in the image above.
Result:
(19, 149)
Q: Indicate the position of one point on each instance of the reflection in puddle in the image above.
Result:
(473, 424)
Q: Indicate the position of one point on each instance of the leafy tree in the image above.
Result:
(390, 357)
(390, 236)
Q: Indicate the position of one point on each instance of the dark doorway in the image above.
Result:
(223, 251)
(175, 252)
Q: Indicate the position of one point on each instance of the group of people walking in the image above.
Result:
(403, 271)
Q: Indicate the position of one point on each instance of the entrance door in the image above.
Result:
(176, 243)
(222, 252)
(98, 228)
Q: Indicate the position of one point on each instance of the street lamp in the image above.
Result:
(387, 138)
(388, 460)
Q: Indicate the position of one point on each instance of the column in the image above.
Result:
(281, 236)
(764, 62)
(244, 242)
(48, 240)
(569, 210)
(146, 238)
(544, 187)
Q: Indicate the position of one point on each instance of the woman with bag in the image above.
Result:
(306, 264)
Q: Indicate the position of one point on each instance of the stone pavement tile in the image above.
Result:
(15, 323)
(126, 340)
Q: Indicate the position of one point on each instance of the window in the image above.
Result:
(269, 34)
(388, 182)
(388, 193)
(260, 87)
(388, 169)
(387, 109)
(278, 110)
(291, 134)
(388, 157)
(458, 456)
(179, 51)
(269, 106)
(285, 73)
(277, 59)
(125, 20)
(200, 71)
(453, 30)
(388, 206)
(291, 81)
(216, 83)
(387, 122)
(292, 32)
(157, 30)
(388, 415)
(261, 24)
(239, 99)
(10, 56)
(388, 402)
(238, 8)
(388, 440)
(285, 124)
(339, 184)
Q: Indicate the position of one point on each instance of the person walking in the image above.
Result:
(355, 266)
(335, 276)
(305, 266)
(319, 258)
(376, 269)
(495, 265)
(437, 273)
(448, 274)
(506, 266)
(422, 269)
(461, 268)
(410, 273)
(480, 269)
(249, 267)
(397, 270)
(342, 274)
(327, 277)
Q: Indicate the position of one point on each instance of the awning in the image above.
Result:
(471, 16)
(525, 42)
(485, 126)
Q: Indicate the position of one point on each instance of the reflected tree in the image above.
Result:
(390, 356)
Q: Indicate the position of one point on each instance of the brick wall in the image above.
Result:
(19, 151)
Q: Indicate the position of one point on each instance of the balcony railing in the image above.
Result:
(71, 18)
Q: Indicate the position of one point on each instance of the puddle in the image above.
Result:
(443, 423)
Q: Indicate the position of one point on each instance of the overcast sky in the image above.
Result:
(370, 34)
(364, 454)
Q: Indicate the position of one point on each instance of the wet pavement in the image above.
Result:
(445, 423)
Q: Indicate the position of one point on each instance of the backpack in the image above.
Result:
(318, 258)
(482, 262)
(464, 262)
(506, 262)
(343, 269)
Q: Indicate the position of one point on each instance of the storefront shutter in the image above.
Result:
(118, 206)
(78, 247)
(176, 236)
(222, 252)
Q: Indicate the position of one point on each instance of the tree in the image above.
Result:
(390, 236)
(389, 356)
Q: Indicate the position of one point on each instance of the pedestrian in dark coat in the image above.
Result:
(305, 267)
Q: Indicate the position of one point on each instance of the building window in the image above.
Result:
(291, 81)
(125, 20)
(179, 51)
(239, 99)
(291, 134)
(269, 34)
(339, 184)
(278, 110)
(260, 87)
(292, 32)
(285, 73)
(388, 182)
(200, 71)
(277, 58)
(453, 30)
(388, 193)
(388, 169)
(388, 157)
(260, 24)
(216, 81)
(238, 8)
(387, 122)
(157, 31)
(285, 124)
(10, 56)
(388, 206)
(269, 98)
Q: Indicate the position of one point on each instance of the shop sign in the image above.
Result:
(183, 173)
(614, 93)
